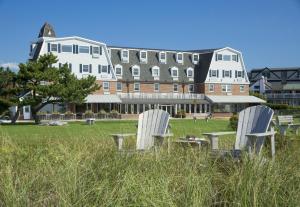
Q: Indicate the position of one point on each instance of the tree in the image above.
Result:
(43, 84)
(7, 83)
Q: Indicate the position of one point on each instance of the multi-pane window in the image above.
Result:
(84, 49)
(125, 55)
(135, 71)
(106, 86)
(226, 57)
(66, 48)
(156, 87)
(96, 50)
(219, 56)
(119, 86)
(104, 69)
(191, 87)
(136, 86)
(85, 68)
(54, 47)
(179, 57)
(162, 57)
(174, 72)
(211, 87)
(195, 58)
(155, 71)
(226, 73)
(119, 70)
(226, 88)
(190, 72)
(175, 87)
(242, 88)
(213, 73)
(235, 58)
(143, 56)
(239, 74)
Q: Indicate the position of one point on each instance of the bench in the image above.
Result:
(285, 122)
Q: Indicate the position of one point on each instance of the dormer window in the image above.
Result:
(135, 71)
(119, 70)
(143, 56)
(179, 57)
(84, 49)
(195, 58)
(190, 72)
(226, 57)
(54, 48)
(162, 57)
(235, 58)
(174, 72)
(125, 56)
(155, 71)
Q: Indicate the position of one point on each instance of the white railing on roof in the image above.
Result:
(282, 95)
(161, 96)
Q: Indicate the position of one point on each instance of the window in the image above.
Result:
(125, 55)
(175, 87)
(191, 88)
(54, 48)
(226, 74)
(195, 58)
(174, 72)
(226, 57)
(136, 71)
(211, 87)
(242, 88)
(190, 72)
(136, 86)
(156, 87)
(118, 70)
(219, 56)
(226, 88)
(213, 73)
(96, 50)
(84, 49)
(162, 57)
(155, 71)
(106, 86)
(179, 57)
(66, 48)
(239, 74)
(85, 68)
(235, 58)
(104, 69)
(119, 86)
(143, 56)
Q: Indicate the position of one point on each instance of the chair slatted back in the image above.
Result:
(255, 119)
(283, 120)
(151, 122)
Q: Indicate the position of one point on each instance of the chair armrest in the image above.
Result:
(123, 135)
(261, 134)
(216, 134)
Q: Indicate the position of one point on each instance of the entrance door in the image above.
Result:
(26, 112)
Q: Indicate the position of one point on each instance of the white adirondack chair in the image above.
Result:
(285, 122)
(152, 124)
(253, 125)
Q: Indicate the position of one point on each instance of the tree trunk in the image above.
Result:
(16, 116)
(35, 116)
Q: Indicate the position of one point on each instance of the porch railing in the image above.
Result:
(161, 96)
(283, 95)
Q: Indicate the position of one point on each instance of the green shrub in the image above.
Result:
(88, 112)
(277, 106)
(102, 112)
(233, 121)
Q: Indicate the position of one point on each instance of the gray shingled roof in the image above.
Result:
(153, 60)
(274, 69)
(47, 31)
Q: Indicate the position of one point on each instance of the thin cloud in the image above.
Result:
(13, 66)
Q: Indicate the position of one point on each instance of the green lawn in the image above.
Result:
(78, 165)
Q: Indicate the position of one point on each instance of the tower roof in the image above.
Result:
(47, 31)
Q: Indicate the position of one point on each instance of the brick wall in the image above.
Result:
(235, 90)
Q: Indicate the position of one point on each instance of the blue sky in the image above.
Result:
(266, 31)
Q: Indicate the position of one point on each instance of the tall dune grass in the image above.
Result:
(84, 170)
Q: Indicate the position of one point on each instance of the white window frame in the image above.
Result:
(195, 61)
(139, 70)
(177, 59)
(52, 47)
(123, 58)
(173, 69)
(191, 91)
(88, 68)
(162, 60)
(242, 88)
(154, 88)
(211, 87)
(187, 72)
(239, 75)
(105, 86)
(214, 75)
(219, 55)
(228, 75)
(177, 88)
(66, 46)
(85, 48)
(236, 58)
(119, 83)
(158, 71)
(225, 57)
(104, 66)
(227, 87)
(121, 67)
(143, 60)
(134, 87)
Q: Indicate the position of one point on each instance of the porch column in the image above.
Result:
(190, 108)
(144, 107)
(205, 108)
(132, 108)
(175, 108)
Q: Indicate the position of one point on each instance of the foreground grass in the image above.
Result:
(77, 165)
